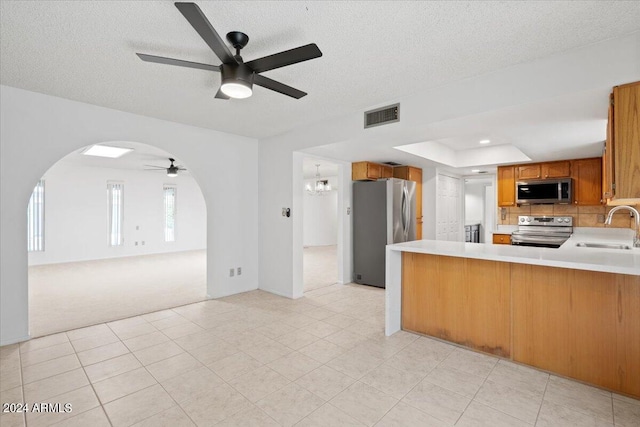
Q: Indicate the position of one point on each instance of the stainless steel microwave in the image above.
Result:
(544, 191)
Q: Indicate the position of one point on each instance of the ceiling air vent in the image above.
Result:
(382, 116)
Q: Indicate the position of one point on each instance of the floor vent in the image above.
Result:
(382, 116)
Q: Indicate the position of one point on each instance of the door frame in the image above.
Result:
(345, 245)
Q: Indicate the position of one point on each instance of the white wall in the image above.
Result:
(38, 130)
(320, 215)
(76, 214)
(600, 65)
(473, 202)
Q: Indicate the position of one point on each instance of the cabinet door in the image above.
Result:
(608, 156)
(529, 171)
(401, 172)
(374, 170)
(556, 169)
(506, 186)
(386, 171)
(626, 136)
(587, 181)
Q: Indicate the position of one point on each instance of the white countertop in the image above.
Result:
(504, 229)
(567, 256)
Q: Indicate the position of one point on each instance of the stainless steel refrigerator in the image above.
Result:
(384, 212)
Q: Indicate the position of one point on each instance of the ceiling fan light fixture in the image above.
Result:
(236, 89)
(172, 171)
(237, 81)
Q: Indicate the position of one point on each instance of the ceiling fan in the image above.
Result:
(238, 76)
(172, 170)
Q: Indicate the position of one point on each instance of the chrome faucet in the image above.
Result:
(634, 211)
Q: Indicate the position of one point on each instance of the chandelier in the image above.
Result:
(322, 186)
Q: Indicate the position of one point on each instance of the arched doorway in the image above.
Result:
(111, 238)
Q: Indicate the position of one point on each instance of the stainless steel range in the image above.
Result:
(542, 231)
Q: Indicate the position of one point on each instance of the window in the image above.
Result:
(170, 213)
(35, 219)
(115, 194)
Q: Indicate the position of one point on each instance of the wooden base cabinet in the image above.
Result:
(466, 301)
(580, 324)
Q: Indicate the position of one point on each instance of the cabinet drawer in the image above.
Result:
(502, 239)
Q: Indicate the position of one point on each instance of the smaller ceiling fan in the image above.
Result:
(172, 170)
(238, 77)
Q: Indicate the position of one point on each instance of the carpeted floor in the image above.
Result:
(72, 295)
(320, 266)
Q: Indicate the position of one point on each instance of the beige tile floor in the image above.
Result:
(320, 266)
(256, 359)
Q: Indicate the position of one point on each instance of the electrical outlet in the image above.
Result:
(136, 243)
(231, 272)
(239, 270)
(137, 227)
(601, 218)
(143, 243)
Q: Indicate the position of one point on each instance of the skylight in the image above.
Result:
(106, 151)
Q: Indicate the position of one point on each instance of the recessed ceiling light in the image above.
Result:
(485, 141)
(106, 151)
(475, 170)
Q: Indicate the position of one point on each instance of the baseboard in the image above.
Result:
(15, 340)
(271, 291)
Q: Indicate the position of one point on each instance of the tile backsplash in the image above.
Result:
(583, 216)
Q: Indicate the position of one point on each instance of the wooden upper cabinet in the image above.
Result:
(626, 138)
(587, 182)
(608, 156)
(414, 174)
(560, 169)
(506, 186)
(533, 171)
(386, 171)
(367, 171)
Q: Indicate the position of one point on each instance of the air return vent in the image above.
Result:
(382, 116)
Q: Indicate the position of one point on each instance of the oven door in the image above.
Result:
(539, 240)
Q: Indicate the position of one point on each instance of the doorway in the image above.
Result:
(320, 223)
(113, 238)
(479, 208)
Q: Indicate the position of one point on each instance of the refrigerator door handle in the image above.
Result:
(405, 211)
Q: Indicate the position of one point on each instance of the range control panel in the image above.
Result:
(546, 221)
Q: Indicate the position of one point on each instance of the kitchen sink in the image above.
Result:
(603, 245)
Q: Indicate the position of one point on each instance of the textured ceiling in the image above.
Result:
(373, 52)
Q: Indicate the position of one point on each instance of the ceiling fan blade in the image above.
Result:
(154, 166)
(201, 24)
(221, 95)
(282, 59)
(277, 86)
(178, 62)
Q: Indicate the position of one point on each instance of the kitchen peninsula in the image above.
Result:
(573, 311)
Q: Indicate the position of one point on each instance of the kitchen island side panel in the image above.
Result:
(580, 324)
(462, 300)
